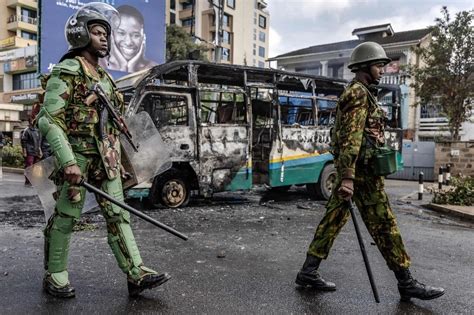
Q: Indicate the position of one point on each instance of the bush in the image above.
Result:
(461, 193)
(12, 156)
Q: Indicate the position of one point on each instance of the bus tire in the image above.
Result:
(323, 188)
(171, 189)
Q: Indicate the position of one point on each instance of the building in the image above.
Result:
(421, 122)
(244, 26)
(19, 86)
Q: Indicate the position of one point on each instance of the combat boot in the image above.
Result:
(309, 276)
(411, 288)
(148, 279)
(56, 284)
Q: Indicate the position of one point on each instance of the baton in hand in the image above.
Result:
(95, 190)
(364, 253)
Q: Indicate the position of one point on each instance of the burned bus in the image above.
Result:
(231, 127)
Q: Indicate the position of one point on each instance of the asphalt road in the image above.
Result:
(242, 256)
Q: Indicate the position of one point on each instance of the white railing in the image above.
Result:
(22, 18)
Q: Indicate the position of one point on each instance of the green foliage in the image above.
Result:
(461, 193)
(12, 156)
(181, 46)
(445, 76)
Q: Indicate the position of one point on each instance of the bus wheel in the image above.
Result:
(171, 189)
(323, 188)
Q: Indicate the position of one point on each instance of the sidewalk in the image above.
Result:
(463, 212)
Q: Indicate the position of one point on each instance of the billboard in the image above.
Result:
(137, 43)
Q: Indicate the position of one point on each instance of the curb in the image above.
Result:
(13, 170)
(447, 210)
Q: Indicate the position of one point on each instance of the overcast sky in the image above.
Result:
(296, 24)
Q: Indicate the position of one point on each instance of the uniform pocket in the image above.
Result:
(82, 120)
(86, 115)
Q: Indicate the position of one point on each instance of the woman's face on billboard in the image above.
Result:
(129, 36)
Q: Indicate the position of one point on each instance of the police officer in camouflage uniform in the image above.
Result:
(70, 124)
(359, 128)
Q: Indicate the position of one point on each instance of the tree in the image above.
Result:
(180, 45)
(445, 76)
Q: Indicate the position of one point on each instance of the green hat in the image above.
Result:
(367, 53)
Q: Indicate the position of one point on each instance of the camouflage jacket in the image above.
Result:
(78, 119)
(358, 129)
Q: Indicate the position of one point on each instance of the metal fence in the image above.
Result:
(418, 157)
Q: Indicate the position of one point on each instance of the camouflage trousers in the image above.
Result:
(374, 207)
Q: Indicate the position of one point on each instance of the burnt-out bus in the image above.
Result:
(231, 127)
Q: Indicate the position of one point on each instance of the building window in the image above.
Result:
(261, 64)
(226, 37)
(187, 22)
(254, 53)
(262, 21)
(172, 18)
(226, 21)
(336, 71)
(225, 54)
(173, 4)
(28, 16)
(261, 36)
(254, 36)
(23, 81)
(28, 35)
(231, 4)
(261, 51)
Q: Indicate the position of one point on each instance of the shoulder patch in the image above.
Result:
(357, 91)
(70, 66)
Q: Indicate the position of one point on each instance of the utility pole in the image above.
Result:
(193, 4)
(219, 14)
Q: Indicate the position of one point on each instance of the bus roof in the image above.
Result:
(226, 74)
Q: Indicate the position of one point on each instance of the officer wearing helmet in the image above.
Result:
(69, 121)
(357, 133)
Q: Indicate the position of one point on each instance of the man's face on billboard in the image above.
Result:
(129, 36)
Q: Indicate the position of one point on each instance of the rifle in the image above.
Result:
(364, 253)
(107, 108)
(123, 205)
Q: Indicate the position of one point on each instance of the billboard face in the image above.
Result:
(137, 43)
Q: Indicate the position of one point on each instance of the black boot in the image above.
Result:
(66, 291)
(148, 281)
(410, 288)
(309, 276)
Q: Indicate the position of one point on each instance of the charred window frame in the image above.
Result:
(296, 111)
(166, 109)
(326, 111)
(262, 107)
(222, 107)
